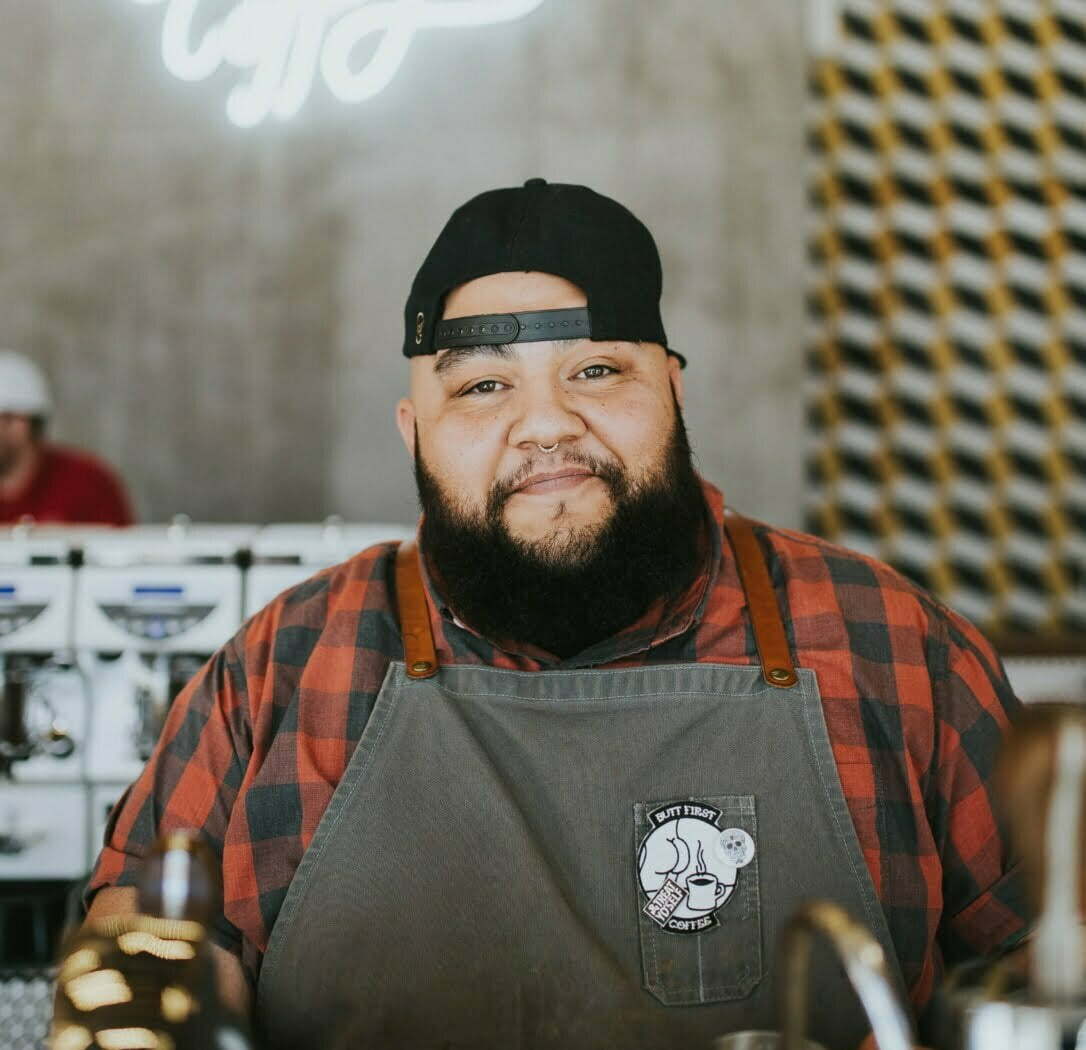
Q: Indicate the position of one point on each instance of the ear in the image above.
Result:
(675, 374)
(405, 423)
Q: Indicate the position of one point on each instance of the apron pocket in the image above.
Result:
(698, 904)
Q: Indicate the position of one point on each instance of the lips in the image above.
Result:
(554, 481)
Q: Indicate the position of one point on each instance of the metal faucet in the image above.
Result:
(864, 962)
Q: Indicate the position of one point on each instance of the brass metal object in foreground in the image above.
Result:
(758, 1040)
(148, 981)
(864, 962)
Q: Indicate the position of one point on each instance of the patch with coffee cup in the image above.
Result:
(688, 865)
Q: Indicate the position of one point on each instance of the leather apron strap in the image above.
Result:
(420, 655)
(765, 613)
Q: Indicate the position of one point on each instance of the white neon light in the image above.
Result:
(283, 44)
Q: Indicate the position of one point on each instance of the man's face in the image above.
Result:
(16, 439)
(482, 415)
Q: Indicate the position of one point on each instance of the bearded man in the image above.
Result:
(559, 775)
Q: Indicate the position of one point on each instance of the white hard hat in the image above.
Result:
(23, 386)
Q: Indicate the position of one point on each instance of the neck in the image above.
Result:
(17, 473)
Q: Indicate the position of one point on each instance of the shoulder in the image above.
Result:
(798, 556)
(819, 574)
(76, 462)
(349, 605)
(876, 603)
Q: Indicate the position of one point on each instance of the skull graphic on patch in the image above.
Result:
(688, 866)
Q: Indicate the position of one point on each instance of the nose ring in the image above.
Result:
(549, 448)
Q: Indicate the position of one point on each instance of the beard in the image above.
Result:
(577, 586)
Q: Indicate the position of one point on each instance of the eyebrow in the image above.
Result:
(449, 359)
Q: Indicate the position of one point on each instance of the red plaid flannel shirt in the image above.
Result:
(915, 702)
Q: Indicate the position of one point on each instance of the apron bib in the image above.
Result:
(569, 859)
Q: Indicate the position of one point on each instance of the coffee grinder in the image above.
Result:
(154, 602)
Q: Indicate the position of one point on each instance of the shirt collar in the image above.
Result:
(663, 620)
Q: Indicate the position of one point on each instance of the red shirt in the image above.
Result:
(915, 702)
(69, 488)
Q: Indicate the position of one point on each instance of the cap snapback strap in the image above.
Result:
(495, 329)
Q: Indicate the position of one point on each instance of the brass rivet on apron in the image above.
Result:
(779, 674)
(421, 667)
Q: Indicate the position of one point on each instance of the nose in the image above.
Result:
(546, 418)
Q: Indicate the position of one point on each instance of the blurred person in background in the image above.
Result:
(40, 480)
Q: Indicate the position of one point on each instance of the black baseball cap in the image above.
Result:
(567, 230)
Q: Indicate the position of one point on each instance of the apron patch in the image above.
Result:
(688, 865)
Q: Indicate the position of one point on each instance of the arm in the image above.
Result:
(190, 783)
(984, 901)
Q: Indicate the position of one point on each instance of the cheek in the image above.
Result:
(465, 459)
(635, 430)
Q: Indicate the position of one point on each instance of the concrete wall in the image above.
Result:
(220, 309)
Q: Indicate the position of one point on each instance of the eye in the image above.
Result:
(484, 386)
(597, 371)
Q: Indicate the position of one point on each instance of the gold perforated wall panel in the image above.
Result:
(947, 368)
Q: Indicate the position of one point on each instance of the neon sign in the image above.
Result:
(280, 46)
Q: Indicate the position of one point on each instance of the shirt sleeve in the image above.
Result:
(190, 782)
(984, 898)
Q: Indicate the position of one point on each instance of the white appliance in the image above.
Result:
(36, 590)
(44, 709)
(284, 555)
(152, 604)
(44, 831)
(1039, 678)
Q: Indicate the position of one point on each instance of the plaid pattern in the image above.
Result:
(915, 702)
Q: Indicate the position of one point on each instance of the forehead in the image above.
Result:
(510, 293)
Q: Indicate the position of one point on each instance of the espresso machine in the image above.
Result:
(284, 555)
(153, 603)
(44, 711)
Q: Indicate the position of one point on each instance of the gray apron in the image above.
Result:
(569, 858)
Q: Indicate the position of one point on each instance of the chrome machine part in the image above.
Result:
(1058, 969)
(864, 962)
(29, 722)
(14, 742)
(1005, 1006)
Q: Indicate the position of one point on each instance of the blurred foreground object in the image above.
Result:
(1041, 780)
(864, 962)
(39, 480)
(148, 981)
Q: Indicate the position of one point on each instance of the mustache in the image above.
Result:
(606, 470)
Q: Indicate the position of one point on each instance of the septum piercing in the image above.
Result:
(549, 448)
